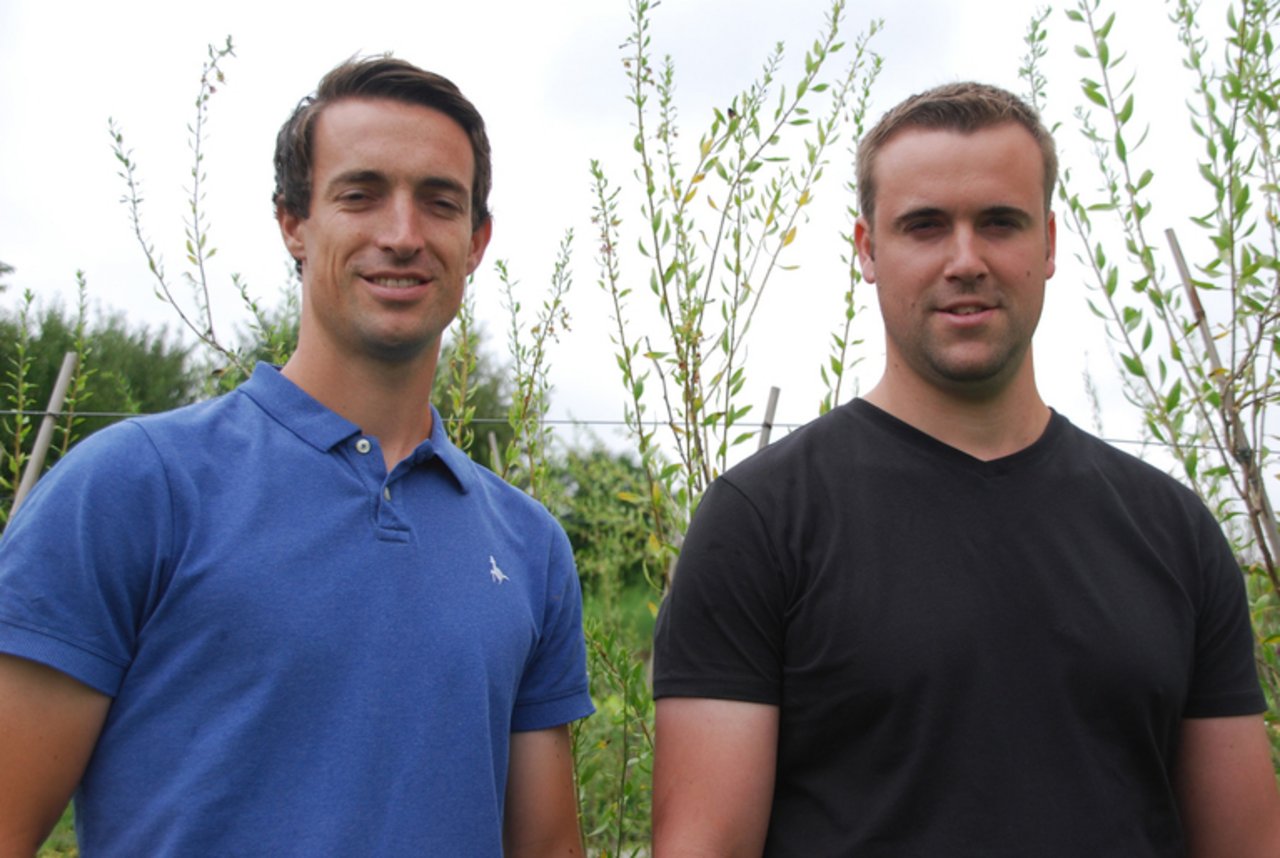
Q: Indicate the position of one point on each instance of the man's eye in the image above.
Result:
(446, 204)
(917, 226)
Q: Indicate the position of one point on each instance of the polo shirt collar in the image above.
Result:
(458, 462)
(296, 410)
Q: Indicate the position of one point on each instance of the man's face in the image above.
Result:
(959, 253)
(387, 246)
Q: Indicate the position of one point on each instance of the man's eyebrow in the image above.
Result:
(357, 177)
(930, 212)
(374, 177)
(1011, 212)
(922, 213)
(444, 183)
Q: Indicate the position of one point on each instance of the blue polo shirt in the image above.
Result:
(307, 654)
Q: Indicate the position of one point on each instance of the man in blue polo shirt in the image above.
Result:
(296, 619)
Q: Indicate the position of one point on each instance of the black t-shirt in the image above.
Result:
(970, 658)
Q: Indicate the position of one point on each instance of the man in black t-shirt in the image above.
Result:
(941, 620)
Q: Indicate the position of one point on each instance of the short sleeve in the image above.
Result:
(554, 689)
(720, 630)
(1225, 682)
(79, 563)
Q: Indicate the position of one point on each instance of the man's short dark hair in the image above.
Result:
(375, 77)
(963, 107)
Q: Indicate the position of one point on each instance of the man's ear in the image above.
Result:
(865, 242)
(479, 241)
(291, 228)
(1051, 236)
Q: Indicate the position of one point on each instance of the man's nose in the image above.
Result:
(401, 228)
(966, 261)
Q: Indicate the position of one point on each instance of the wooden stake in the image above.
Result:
(35, 464)
(494, 462)
(769, 409)
(1256, 499)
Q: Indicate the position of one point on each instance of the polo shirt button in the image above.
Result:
(386, 492)
(363, 445)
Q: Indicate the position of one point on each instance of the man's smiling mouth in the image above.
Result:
(397, 282)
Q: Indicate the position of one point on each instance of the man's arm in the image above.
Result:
(1227, 788)
(542, 807)
(713, 773)
(49, 724)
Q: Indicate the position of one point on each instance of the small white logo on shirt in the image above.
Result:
(495, 573)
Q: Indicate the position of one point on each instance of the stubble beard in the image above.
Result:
(971, 376)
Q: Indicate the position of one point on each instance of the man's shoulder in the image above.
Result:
(128, 469)
(836, 434)
(195, 417)
(1111, 460)
(1137, 482)
(134, 440)
(503, 498)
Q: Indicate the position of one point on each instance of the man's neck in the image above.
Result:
(987, 427)
(390, 402)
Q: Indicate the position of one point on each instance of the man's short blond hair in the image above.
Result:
(963, 107)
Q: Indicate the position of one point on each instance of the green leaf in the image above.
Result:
(1155, 430)
(1105, 29)
(1126, 111)
(1133, 365)
(1207, 173)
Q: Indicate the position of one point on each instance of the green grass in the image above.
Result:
(62, 842)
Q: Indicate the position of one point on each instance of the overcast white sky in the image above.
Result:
(549, 80)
